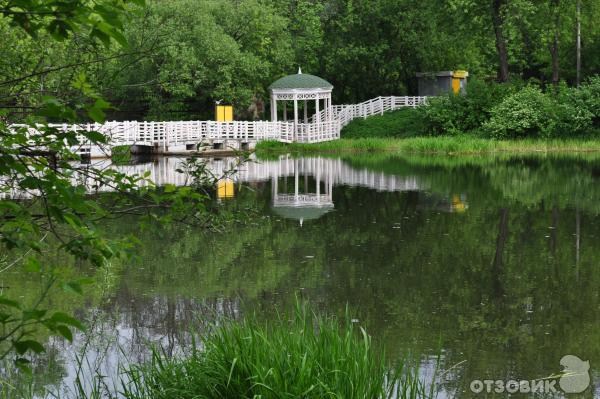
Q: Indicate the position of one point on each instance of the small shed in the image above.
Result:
(440, 83)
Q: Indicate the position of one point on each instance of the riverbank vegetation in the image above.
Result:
(431, 145)
(509, 111)
(298, 355)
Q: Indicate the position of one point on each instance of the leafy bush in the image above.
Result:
(526, 113)
(493, 110)
(573, 118)
(588, 97)
(458, 114)
(400, 123)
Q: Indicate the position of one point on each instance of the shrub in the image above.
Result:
(400, 123)
(526, 113)
(305, 357)
(573, 117)
(457, 114)
(588, 97)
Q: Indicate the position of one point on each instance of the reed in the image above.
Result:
(444, 145)
(305, 356)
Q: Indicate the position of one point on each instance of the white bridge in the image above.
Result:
(182, 136)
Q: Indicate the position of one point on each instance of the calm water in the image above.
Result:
(490, 264)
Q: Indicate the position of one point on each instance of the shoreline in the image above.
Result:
(446, 145)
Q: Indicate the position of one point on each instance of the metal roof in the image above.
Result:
(300, 81)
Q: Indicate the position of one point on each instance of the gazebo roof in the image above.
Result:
(302, 212)
(300, 81)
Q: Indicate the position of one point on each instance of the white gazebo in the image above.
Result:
(314, 199)
(303, 90)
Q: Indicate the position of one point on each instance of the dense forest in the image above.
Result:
(182, 55)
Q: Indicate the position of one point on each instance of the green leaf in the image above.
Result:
(65, 332)
(33, 314)
(32, 265)
(23, 346)
(170, 188)
(23, 365)
(96, 137)
(4, 317)
(74, 287)
(9, 302)
(64, 318)
(96, 111)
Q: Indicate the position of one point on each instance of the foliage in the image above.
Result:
(454, 114)
(303, 355)
(573, 118)
(508, 110)
(587, 100)
(101, 20)
(401, 123)
(183, 55)
(526, 113)
(52, 202)
(198, 53)
(461, 144)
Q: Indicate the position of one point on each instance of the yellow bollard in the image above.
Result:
(224, 113)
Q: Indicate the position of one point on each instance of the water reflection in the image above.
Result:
(302, 188)
(492, 263)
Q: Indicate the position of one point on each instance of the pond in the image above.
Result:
(488, 265)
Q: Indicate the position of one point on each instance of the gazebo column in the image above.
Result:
(285, 111)
(318, 120)
(318, 179)
(295, 117)
(274, 185)
(296, 180)
(273, 108)
(305, 111)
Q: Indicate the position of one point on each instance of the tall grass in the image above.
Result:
(306, 356)
(432, 145)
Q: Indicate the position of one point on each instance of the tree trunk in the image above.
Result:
(578, 78)
(555, 10)
(498, 22)
(498, 263)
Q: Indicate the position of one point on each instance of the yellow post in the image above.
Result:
(457, 76)
(224, 113)
(225, 189)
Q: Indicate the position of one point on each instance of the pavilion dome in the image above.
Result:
(302, 212)
(301, 81)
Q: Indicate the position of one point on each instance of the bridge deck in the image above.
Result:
(178, 136)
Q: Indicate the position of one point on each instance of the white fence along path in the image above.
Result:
(178, 136)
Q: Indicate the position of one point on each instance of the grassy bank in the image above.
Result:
(432, 145)
(302, 356)
(396, 124)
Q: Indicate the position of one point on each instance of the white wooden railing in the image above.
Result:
(321, 127)
(374, 106)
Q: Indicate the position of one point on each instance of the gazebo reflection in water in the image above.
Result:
(310, 197)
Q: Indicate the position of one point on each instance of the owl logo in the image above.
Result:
(576, 376)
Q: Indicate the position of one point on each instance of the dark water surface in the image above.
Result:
(491, 265)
